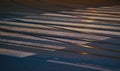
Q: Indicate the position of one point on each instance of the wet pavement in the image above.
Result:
(73, 38)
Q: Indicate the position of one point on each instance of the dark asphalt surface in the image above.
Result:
(60, 38)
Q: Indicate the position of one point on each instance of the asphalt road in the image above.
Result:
(60, 37)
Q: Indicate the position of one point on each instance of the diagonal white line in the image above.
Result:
(70, 24)
(16, 53)
(54, 14)
(97, 13)
(111, 10)
(101, 18)
(78, 65)
(22, 36)
(59, 21)
(33, 44)
(58, 33)
(94, 31)
(24, 24)
(86, 30)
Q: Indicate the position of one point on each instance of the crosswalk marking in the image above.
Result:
(78, 65)
(24, 24)
(105, 32)
(51, 14)
(72, 19)
(68, 23)
(53, 20)
(98, 11)
(59, 33)
(90, 30)
(34, 44)
(102, 18)
(24, 46)
(103, 9)
(67, 34)
(88, 13)
(22, 36)
(15, 53)
(22, 13)
(76, 27)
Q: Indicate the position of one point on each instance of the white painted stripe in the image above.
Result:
(59, 33)
(105, 9)
(111, 8)
(19, 45)
(89, 13)
(58, 19)
(80, 10)
(33, 44)
(70, 41)
(53, 18)
(100, 31)
(29, 37)
(101, 18)
(23, 36)
(59, 22)
(25, 24)
(78, 65)
(54, 14)
(90, 30)
(22, 13)
(71, 24)
(15, 53)
(110, 12)
(68, 20)
(98, 10)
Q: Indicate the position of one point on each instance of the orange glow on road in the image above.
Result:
(85, 53)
